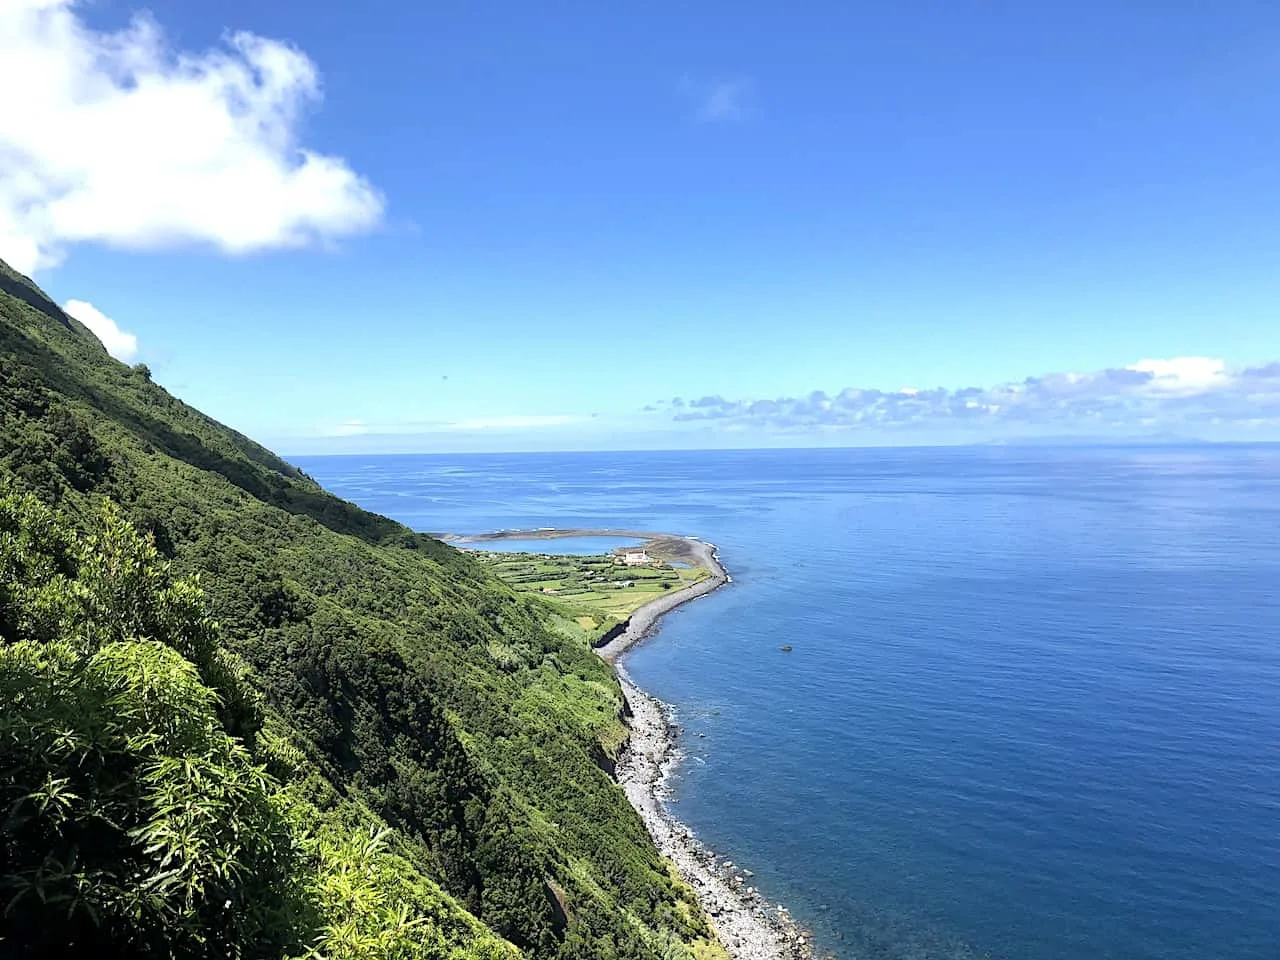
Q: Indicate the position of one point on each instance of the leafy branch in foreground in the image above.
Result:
(135, 823)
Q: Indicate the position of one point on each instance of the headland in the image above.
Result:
(748, 925)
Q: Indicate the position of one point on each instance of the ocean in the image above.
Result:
(1032, 706)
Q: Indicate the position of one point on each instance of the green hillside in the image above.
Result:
(242, 717)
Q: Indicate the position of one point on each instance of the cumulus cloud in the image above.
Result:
(1176, 393)
(116, 138)
(1183, 375)
(119, 343)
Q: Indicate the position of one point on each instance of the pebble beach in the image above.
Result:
(748, 925)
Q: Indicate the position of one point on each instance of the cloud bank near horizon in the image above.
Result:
(518, 422)
(1154, 394)
(118, 138)
(1191, 397)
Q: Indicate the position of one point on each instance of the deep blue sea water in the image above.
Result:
(1033, 705)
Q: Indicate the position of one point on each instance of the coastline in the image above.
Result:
(641, 622)
(747, 925)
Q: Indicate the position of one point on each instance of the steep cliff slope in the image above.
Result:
(383, 683)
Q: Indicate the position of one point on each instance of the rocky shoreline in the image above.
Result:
(748, 925)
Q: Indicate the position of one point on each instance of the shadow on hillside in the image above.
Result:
(18, 286)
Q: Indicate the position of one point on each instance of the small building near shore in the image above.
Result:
(636, 558)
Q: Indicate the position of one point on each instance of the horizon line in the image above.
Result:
(1031, 442)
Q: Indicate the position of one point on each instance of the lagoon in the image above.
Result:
(559, 546)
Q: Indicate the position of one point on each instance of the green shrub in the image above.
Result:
(359, 677)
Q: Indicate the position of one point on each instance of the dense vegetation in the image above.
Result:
(241, 717)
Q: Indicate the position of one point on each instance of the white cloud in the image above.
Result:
(1177, 393)
(1183, 375)
(349, 428)
(116, 138)
(519, 422)
(718, 100)
(119, 343)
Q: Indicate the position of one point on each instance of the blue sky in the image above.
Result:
(517, 226)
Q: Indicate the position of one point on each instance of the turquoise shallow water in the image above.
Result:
(1033, 705)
